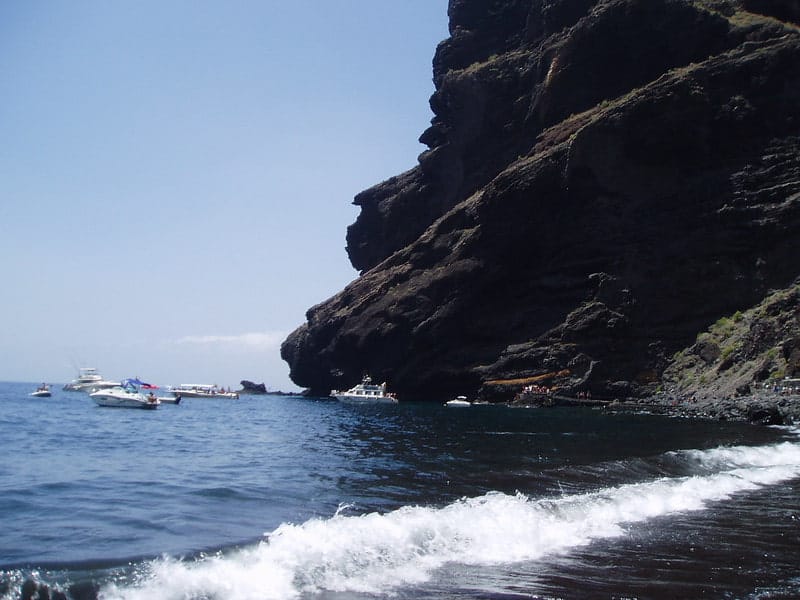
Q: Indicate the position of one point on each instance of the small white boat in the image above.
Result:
(126, 395)
(365, 392)
(201, 390)
(89, 380)
(458, 401)
(43, 391)
(169, 399)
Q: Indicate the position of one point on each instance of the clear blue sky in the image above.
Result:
(176, 177)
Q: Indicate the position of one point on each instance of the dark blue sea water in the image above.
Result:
(282, 497)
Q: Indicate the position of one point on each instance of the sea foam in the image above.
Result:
(378, 553)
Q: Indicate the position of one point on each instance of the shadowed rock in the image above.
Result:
(604, 180)
(248, 387)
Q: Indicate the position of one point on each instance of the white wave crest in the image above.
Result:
(377, 553)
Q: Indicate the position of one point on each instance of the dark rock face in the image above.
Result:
(784, 10)
(765, 415)
(604, 179)
(248, 387)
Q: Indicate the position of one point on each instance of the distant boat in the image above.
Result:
(458, 401)
(201, 390)
(169, 399)
(89, 380)
(126, 395)
(365, 392)
(43, 391)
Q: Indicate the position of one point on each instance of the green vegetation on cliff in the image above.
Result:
(743, 352)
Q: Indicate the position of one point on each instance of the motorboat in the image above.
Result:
(169, 399)
(458, 401)
(43, 391)
(89, 380)
(201, 390)
(126, 395)
(365, 392)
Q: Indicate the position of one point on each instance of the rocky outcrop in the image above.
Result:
(741, 354)
(604, 180)
(248, 387)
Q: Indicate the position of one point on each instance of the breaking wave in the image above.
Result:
(378, 553)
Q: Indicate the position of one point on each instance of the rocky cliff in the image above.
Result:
(604, 180)
(742, 354)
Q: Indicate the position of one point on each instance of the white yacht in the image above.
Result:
(458, 401)
(201, 390)
(89, 380)
(365, 392)
(125, 395)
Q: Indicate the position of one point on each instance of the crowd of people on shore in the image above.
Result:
(536, 389)
(785, 387)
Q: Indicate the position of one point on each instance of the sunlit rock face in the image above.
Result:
(603, 180)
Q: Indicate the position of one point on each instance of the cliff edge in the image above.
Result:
(604, 180)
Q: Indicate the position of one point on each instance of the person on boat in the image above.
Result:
(151, 397)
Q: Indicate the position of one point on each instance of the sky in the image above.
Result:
(177, 177)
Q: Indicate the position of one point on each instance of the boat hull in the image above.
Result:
(114, 399)
(90, 387)
(41, 394)
(201, 390)
(169, 399)
(190, 394)
(458, 403)
(349, 399)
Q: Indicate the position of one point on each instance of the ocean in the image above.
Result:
(277, 497)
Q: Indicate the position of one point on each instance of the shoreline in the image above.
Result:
(760, 408)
